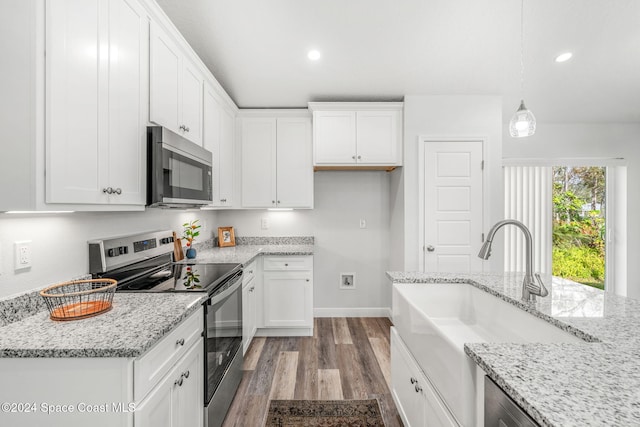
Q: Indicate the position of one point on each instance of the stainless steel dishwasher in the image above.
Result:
(500, 410)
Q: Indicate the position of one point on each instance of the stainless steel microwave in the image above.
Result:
(178, 171)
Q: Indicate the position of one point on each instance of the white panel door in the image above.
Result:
(192, 89)
(334, 137)
(294, 163)
(453, 206)
(128, 71)
(164, 97)
(377, 137)
(76, 88)
(259, 163)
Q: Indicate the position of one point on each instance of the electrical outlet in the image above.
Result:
(265, 223)
(22, 254)
(363, 223)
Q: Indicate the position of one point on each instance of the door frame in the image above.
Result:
(423, 140)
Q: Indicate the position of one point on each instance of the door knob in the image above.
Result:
(430, 248)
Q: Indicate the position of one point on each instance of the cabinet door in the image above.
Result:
(76, 87)
(227, 157)
(156, 409)
(294, 173)
(377, 137)
(192, 90)
(403, 386)
(288, 299)
(128, 71)
(211, 138)
(164, 74)
(334, 138)
(248, 314)
(189, 397)
(258, 163)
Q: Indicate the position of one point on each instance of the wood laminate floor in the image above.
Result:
(347, 358)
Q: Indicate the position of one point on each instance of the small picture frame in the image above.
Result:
(226, 237)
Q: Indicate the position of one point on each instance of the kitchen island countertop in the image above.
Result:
(593, 383)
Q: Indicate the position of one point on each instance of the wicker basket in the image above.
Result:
(79, 299)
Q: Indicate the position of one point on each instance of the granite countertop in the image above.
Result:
(244, 254)
(593, 383)
(136, 322)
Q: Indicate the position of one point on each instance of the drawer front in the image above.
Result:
(289, 263)
(154, 364)
(249, 272)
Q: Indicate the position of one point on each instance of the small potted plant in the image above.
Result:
(190, 233)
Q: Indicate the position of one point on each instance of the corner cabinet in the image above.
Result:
(277, 169)
(350, 135)
(96, 79)
(288, 291)
(219, 138)
(176, 87)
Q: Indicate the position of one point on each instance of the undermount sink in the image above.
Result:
(435, 320)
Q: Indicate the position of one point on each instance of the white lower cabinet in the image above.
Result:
(288, 292)
(415, 398)
(178, 399)
(250, 284)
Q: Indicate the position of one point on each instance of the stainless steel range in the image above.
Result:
(143, 263)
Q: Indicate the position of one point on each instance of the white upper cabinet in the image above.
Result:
(96, 75)
(176, 88)
(218, 137)
(352, 135)
(277, 169)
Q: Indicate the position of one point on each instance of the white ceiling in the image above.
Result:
(385, 49)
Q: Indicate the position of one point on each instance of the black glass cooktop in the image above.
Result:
(161, 275)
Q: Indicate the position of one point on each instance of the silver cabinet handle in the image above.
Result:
(107, 190)
(353, 157)
(178, 382)
(273, 202)
(359, 157)
(308, 280)
(286, 265)
(223, 200)
(252, 289)
(413, 380)
(118, 190)
(186, 374)
(278, 201)
(186, 129)
(180, 341)
(418, 388)
(430, 248)
(183, 128)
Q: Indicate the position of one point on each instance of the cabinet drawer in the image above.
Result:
(249, 272)
(292, 263)
(155, 363)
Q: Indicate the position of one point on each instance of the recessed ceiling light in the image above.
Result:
(564, 57)
(313, 55)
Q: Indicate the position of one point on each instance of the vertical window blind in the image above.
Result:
(528, 198)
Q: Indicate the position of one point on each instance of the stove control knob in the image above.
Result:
(113, 252)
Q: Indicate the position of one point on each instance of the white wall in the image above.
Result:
(59, 242)
(445, 116)
(603, 140)
(341, 200)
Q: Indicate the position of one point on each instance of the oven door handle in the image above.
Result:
(216, 298)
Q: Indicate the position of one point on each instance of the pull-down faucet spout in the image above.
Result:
(530, 286)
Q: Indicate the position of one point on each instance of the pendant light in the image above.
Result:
(523, 122)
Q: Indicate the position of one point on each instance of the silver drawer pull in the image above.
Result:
(118, 191)
(107, 190)
(286, 265)
(178, 382)
(180, 341)
(418, 388)
(186, 374)
(413, 380)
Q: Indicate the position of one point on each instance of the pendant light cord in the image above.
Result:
(522, 49)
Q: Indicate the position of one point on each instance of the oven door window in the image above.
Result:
(224, 336)
(185, 178)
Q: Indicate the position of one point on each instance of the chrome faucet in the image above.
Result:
(530, 286)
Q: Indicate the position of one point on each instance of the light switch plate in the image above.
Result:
(265, 223)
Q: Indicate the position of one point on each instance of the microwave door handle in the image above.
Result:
(217, 298)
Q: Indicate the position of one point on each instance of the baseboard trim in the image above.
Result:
(352, 312)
